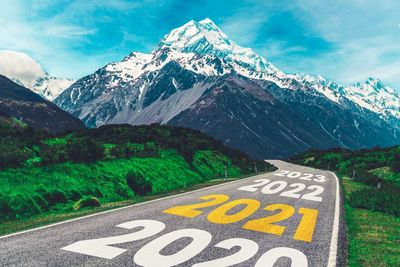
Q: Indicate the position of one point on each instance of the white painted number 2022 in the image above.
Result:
(269, 188)
(150, 254)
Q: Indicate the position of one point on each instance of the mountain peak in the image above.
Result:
(205, 38)
(206, 21)
(199, 37)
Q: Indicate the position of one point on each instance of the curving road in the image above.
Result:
(291, 217)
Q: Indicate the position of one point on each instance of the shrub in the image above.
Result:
(53, 197)
(367, 177)
(85, 149)
(87, 201)
(384, 200)
(139, 184)
(5, 210)
(396, 163)
(52, 154)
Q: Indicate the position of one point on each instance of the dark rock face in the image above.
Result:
(263, 123)
(21, 103)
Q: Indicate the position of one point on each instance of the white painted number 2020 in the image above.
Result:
(150, 254)
(101, 247)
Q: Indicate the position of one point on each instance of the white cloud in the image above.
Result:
(20, 66)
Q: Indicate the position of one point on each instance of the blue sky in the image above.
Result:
(344, 40)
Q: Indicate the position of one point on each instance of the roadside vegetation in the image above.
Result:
(370, 181)
(54, 174)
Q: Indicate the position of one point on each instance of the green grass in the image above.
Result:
(54, 216)
(388, 175)
(344, 161)
(211, 164)
(55, 141)
(374, 237)
(33, 190)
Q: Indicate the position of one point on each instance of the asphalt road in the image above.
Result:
(291, 217)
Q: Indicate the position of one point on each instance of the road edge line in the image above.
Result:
(126, 207)
(332, 260)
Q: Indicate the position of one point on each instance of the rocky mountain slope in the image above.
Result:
(18, 102)
(197, 77)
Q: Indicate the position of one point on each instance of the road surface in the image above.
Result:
(291, 217)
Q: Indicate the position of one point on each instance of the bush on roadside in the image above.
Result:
(396, 163)
(386, 199)
(85, 149)
(5, 210)
(138, 183)
(367, 177)
(86, 202)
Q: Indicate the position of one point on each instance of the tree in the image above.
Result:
(396, 163)
(85, 149)
(139, 184)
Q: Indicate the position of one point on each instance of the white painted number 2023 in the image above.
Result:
(301, 176)
(275, 187)
(150, 254)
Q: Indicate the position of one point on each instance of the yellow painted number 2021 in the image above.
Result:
(246, 207)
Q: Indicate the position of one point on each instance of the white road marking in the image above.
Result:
(335, 231)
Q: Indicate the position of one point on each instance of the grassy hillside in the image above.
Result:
(370, 181)
(43, 173)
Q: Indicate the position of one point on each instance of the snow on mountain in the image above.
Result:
(200, 47)
(371, 94)
(375, 96)
(27, 72)
(205, 38)
(327, 88)
(130, 67)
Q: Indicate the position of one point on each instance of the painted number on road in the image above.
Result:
(101, 247)
(275, 187)
(150, 254)
(302, 176)
(222, 215)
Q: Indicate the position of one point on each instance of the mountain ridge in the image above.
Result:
(185, 69)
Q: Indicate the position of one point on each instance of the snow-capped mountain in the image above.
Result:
(371, 94)
(199, 78)
(27, 72)
(205, 38)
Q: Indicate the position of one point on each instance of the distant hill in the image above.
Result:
(22, 104)
(41, 173)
